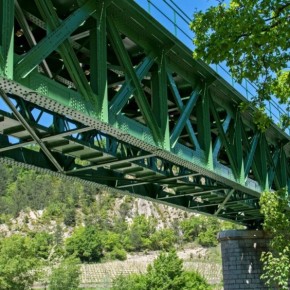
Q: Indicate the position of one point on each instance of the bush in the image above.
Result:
(54, 210)
(118, 254)
(208, 238)
(191, 228)
(17, 263)
(111, 240)
(69, 218)
(139, 233)
(194, 280)
(42, 244)
(166, 273)
(85, 243)
(66, 276)
(163, 239)
(131, 282)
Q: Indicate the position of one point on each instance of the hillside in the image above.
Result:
(58, 218)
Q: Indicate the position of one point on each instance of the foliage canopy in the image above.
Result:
(17, 263)
(165, 273)
(85, 243)
(253, 39)
(276, 262)
(66, 275)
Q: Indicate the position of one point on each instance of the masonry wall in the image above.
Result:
(241, 252)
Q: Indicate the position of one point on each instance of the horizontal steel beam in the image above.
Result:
(45, 139)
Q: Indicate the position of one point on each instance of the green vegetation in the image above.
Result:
(166, 273)
(204, 230)
(22, 189)
(85, 243)
(22, 261)
(66, 276)
(79, 223)
(252, 38)
(276, 262)
(42, 244)
(17, 260)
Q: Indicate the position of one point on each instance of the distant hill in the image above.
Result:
(57, 215)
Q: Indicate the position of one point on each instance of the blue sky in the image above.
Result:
(161, 11)
(189, 6)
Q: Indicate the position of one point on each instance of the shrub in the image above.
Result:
(85, 243)
(166, 273)
(66, 276)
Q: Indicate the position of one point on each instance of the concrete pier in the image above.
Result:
(241, 252)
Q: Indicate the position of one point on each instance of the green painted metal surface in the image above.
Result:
(105, 94)
(6, 40)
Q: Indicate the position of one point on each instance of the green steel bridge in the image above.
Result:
(100, 91)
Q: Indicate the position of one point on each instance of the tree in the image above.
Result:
(17, 263)
(191, 228)
(253, 39)
(42, 244)
(85, 243)
(69, 218)
(3, 181)
(194, 281)
(276, 262)
(208, 236)
(139, 233)
(66, 275)
(131, 282)
(166, 273)
(163, 239)
(113, 247)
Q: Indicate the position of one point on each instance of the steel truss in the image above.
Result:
(116, 100)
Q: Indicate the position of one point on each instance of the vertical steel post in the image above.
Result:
(204, 126)
(159, 99)
(239, 149)
(7, 38)
(263, 162)
(98, 61)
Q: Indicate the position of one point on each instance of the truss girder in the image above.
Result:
(130, 109)
(2, 63)
(121, 98)
(251, 160)
(54, 39)
(140, 95)
(66, 50)
(263, 162)
(28, 34)
(222, 205)
(250, 157)
(117, 159)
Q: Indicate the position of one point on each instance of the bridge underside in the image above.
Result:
(99, 91)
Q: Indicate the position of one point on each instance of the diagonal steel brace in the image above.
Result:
(30, 130)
